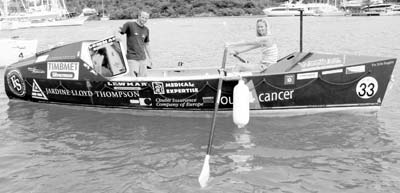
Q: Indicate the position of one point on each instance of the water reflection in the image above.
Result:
(139, 153)
(313, 151)
(86, 144)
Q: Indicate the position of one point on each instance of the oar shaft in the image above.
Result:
(240, 58)
(205, 171)
(211, 138)
(219, 88)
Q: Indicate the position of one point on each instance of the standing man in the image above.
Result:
(137, 43)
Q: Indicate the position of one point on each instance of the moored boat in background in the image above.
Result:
(381, 9)
(94, 73)
(31, 14)
(288, 9)
(310, 9)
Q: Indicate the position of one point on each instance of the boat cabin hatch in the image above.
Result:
(105, 57)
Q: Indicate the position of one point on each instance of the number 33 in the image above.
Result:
(367, 87)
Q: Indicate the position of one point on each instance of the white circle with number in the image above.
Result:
(367, 87)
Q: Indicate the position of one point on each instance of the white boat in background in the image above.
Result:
(324, 9)
(288, 9)
(381, 9)
(310, 9)
(76, 21)
(393, 10)
(27, 13)
(16, 49)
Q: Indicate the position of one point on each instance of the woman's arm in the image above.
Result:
(260, 41)
(247, 49)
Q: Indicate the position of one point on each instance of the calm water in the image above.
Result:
(51, 148)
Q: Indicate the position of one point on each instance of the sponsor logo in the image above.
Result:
(335, 71)
(36, 71)
(355, 69)
(62, 75)
(289, 79)
(16, 83)
(180, 87)
(158, 88)
(145, 101)
(37, 92)
(209, 99)
(127, 85)
(63, 70)
(309, 75)
(134, 101)
(179, 84)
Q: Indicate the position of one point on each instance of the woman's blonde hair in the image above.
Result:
(267, 26)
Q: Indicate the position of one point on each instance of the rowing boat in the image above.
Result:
(94, 73)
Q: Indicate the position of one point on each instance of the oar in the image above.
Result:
(205, 171)
(240, 58)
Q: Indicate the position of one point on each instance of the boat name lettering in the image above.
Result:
(182, 90)
(179, 84)
(383, 63)
(276, 96)
(320, 62)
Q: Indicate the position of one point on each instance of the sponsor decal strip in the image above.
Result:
(332, 71)
(309, 75)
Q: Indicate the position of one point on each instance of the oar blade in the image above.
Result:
(205, 172)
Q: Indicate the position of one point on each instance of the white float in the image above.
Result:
(241, 107)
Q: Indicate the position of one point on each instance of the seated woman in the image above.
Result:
(101, 63)
(265, 41)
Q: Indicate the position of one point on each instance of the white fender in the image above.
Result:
(241, 107)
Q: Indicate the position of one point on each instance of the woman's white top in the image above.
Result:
(269, 55)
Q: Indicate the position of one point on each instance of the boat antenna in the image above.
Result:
(301, 29)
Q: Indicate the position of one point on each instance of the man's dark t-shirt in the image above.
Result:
(136, 37)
